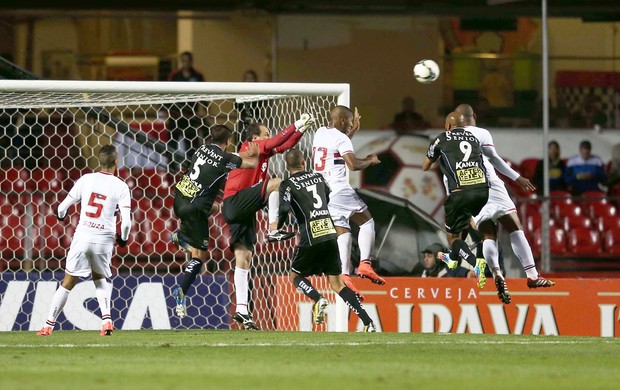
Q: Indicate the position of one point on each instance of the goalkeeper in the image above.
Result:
(245, 193)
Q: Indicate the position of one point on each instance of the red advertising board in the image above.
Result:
(577, 307)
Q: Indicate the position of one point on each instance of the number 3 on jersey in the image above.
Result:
(318, 202)
(319, 160)
(94, 197)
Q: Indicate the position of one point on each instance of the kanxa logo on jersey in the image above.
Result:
(141, 302)
(318, 213)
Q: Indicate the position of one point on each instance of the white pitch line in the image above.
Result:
(297, 344)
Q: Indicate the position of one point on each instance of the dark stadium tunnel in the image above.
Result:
(381, 174)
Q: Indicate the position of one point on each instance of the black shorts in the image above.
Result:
(194, 217)
(461, 206)
(318, 259)
(239, 212)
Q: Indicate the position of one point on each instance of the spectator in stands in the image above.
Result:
(250, 76)
(613, 176)
(585, 171)
(432, 267)
(186, 72)
(557, 167)
(408, 119)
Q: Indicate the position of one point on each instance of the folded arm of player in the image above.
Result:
(250, 156)
(70, 200)
(285, 204)
(504, 168)
(356, 164)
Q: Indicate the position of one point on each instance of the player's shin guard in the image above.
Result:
(366, 239)
(242, 288)
(304, 286)
(345, 241)
(491, 255)
(354, 304)
(523, 251)
(191, 271)
(460, 249)
(103, 289)
(274, 206)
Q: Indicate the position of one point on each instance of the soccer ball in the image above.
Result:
(400, 172)
(426, 71)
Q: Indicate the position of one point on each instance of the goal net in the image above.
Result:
(50, 133)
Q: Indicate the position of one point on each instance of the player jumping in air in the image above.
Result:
(333, 156)
(193, 199)
(468, 187)
(306, 194)
(245, 193)
(100, 195)
(500, 208)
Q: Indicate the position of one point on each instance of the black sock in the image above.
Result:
(305, 287)
(354, 303)
(191, 271)
(460, 249)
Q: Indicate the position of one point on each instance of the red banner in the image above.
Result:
(576, 307)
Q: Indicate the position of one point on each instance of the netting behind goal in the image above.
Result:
(50, 133)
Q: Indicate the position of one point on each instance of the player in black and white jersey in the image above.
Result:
(501, 209)
(194, 197)
(460, 160)
(306, 194)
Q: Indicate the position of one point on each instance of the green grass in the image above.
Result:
(187, 360)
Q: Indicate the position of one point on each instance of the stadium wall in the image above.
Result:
(574, 307)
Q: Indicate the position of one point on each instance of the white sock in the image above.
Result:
(58, 302)
(491, 255)
(366, 239)
(241, 289)
(522, 249)
(345, 241)
(103, 290)
(274, 206)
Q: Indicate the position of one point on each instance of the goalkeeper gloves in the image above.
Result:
(305, 122)
(120, 241)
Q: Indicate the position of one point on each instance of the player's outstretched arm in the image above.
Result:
(304, 123)
(499, 163)
(355, 164)
(356, 124)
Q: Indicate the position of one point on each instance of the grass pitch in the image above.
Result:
(294, 360)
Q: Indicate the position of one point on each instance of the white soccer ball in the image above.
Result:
(426, 71)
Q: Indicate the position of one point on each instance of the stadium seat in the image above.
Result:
(561, 210)
(602, 210)
(534, 222)
(584, 242)
(558, 197)
(607, 222)
(577, 221)
(557, 241)
(612, 241)
(528, 167)
(592, 198)
(13, 180)
(45, 179)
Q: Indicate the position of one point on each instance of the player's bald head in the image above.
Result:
(107, 156)
(341, 118)
(454, 119)
(294, 159)
(469, 117)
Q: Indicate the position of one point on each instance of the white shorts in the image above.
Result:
(87, 257)
(343, 204)
(498, 205)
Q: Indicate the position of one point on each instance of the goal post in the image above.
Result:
(51, 130)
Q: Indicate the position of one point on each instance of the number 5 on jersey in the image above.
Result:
(94, 197)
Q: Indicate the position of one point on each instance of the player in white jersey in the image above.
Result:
(100, 194)
(333, 157)
(500, 208)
